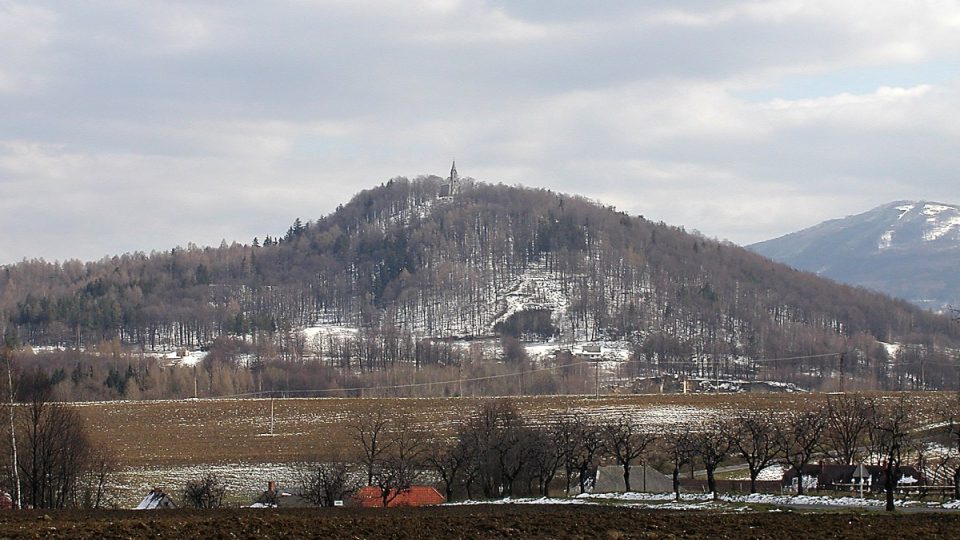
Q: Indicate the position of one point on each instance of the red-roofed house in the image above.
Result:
(371, 497)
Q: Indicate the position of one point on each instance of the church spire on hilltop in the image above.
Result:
(452, 188)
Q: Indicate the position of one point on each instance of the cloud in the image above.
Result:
(142, 126)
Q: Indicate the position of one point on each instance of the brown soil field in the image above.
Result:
(188, 432)
(480, 522)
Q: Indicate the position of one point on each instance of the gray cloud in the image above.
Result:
(147, 125)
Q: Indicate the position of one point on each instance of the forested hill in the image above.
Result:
(406, 263)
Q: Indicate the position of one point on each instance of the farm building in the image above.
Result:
(156, 499)
(643, 478)
(370, 497)
(821, 476)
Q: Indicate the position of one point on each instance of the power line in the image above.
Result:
(492, 377)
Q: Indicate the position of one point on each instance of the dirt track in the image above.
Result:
(468, 522)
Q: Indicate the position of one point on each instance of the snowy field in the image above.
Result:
(726, 502)
(244, 481)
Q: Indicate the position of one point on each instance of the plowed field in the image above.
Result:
(474, 522)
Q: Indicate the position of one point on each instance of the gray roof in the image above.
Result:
(642, 478)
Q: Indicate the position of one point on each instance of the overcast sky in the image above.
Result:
(134, 126)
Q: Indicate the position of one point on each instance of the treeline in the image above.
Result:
(397, 260)
(232, 367)
(47, 459)
(496, 452)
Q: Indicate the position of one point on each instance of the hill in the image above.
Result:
(415, 276)
(907, 249)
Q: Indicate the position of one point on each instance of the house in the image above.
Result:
(643, 478)
(156, 499)
(829, 476)
(371, 497)
(591, 351)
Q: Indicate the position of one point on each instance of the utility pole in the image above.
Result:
(271, 414)
(596, 364)
(842, 376)
(716, 374)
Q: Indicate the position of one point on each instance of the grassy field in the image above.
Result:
(191, 432)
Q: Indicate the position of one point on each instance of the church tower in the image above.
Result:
(454, 181)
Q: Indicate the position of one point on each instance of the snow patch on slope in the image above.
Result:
(904, 210)
(934, 209)
(891, 348)
(940, 227)
(886, 240)
(536, 289)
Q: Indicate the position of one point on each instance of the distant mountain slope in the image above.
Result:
(907, 249)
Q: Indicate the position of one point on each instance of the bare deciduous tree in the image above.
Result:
(401, 462)
(849, 417)
(679, 446)
(625, 441)
(584, 443)
(324, 483)
(801, 437)
(756, 439)
(98, 485)
(452, 463)
(204, 492)
(890, 434)
(54, 449)
(712, 446)
(951, 417)
(370, 433)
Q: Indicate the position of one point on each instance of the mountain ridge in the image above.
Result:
(908, 249)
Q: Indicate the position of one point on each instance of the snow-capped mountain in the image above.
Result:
(908, 249)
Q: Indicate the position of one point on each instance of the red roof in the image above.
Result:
(370, 497)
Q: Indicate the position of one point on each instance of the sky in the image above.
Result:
(138, 126)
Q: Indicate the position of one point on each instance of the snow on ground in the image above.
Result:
(904, 210)
(658, 418)
(535, 289)
(704, 501)
(891, 348)
(324, 331)
(940, 227)
(241, 479)
(771, 474)
(886, 240)
(190, 359)
(611, 352)
(753, 498)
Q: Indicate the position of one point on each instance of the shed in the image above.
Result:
(643, 478)
(156, 499)
(370, 497)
